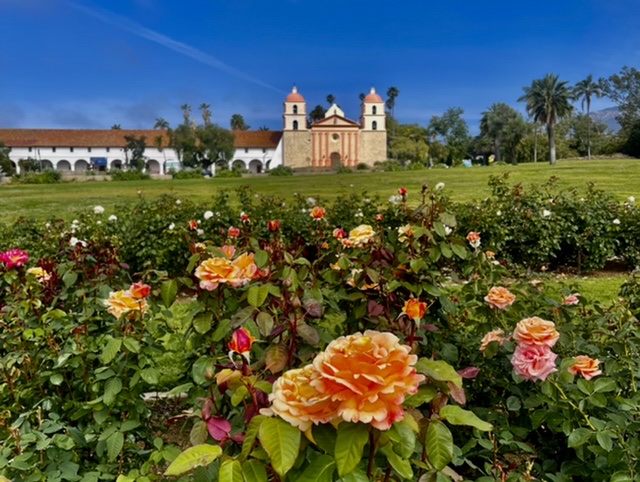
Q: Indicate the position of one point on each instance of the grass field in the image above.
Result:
(617, 177)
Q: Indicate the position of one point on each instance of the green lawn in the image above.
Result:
(42, 201)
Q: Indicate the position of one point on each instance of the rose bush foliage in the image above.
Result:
(311, 342)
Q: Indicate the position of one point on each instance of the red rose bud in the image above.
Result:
(244, 217)
(241, 342)
(273, 225)
(193, 225)
(402, 191)
(339, 233)
(379, 217)
(234, 232)
(139, 290)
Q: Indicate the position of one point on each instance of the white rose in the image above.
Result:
(113, 217)
(207, 215)
(98, 209)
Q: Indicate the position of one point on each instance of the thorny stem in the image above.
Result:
(573, 405)
(372, 451)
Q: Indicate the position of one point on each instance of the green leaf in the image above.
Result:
(439, 444)
(131, 344)
(168, 292)
(110, 351)
(459, 416)
(69, 279)
(112, 387)
(604, 440)
(579, 437)
(129, 425)
(114, 445)
(203, 322)
(56, 379)
(325, 436)
(231, 471)
(265, 323)
(400, 465)
(282, 443)
(320, 469)
(621, 476)
(150, 375)
(460, 251)
(250, 436)
(261, 258)
(439, 371)
(198, 456)
(355, 476)
(257, 295)
(199, 433)
(404, 439)
(604, 385)
(223, 329)
(446, 250)
(351, 439)
(254, 471)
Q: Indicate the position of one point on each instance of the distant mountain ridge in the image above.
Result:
(608, 117)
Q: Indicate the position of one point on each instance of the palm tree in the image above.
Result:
(392, 93)
(585, 89)
(206, 113)
(161, 124)
(186, 113)
(237, 123)
(548, 100)
(331, 99)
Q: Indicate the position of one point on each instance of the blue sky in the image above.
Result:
(94, 63)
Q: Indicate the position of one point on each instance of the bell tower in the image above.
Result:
(295, 112)
(373, 117)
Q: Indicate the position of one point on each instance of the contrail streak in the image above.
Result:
(134, 28)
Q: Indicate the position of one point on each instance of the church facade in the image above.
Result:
(335, 140)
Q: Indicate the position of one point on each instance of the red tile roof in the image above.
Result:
(116, 138)
(257, 138)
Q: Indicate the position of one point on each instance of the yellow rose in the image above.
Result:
(415, 309)
(495, 335)
(536, 331)
(122, 302)
(360, 236)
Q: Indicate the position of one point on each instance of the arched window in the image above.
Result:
(295, 109)
(374, 110)
(295, 125)
(374, 125)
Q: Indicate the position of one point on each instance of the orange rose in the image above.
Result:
(317, 213)
(500, 297)
(214, 271)
(122, 302)
(494, 335)
(536, 331)
(415, 309)
(585, 366)
(234, 232)
(474, 239)
(295, 398)
(369, 376)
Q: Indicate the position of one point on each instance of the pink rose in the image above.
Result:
(572, 299)
(534, 362)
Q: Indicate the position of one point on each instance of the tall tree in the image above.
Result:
(361, 96)
(331, 99)
(317, 114)
(451, 130)
(548, 100)
(392, 94)
(584, 90)
(624, 89)
(7, 167)
(186, 112)
(263, 128)
(134, 151)
(206, 113)
(504, 127)
(237, 123)
(116, 127)
(161, 124)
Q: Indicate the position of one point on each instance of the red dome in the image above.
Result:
(373, 98)
(294, 96)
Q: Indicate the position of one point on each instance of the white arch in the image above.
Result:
(255, 166)
(116, 164)
(153, 166)
(80, 165)
(63, 165)
(239, 162)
